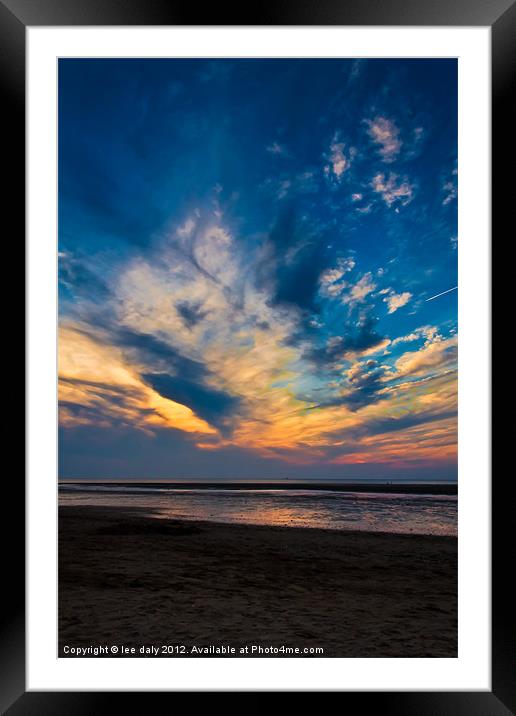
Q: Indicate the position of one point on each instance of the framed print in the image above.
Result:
(258, 364)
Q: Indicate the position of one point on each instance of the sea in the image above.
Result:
(400, 508)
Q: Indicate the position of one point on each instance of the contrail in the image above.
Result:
(442, 294)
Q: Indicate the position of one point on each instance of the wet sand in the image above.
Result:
(137, 581)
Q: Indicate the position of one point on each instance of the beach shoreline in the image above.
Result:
(130, 580)
(396, 488)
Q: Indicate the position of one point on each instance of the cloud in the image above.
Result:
(356, 340)
(436, 354)
(397, 300)
(385, 134)
(226, 347)
(430, 442)
(414, 423)
(393, 189)
(427, 332)
(332, 289)
(450, 192)
(406, 339)
(399, 423)
(365, 381)
(339, 161)
(191, 313)
(361, 289)
(144, 349)
(418, 134)
(231, 347)
(363, 387)
(449, 189)
(99, 385)
(291, 262)
(330, 279)
(214, 406)
(201, 307)
(283, 188)
(104, 385)
(186, 229)
(276, 148)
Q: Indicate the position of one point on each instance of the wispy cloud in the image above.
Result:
(334, 274)
(393, 189)
(395, 301)
(386, 135)
(276, 148)
(426, 332)
(449, 188)
(435, 355)
(330, 279)
(450, 192)
(361, 289)
(339, 158)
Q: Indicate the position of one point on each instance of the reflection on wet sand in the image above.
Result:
(400, 513)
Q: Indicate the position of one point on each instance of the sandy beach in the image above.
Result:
(137, 581)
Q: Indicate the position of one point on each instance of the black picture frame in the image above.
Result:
(500, 16)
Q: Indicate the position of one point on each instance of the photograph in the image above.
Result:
(257, 357)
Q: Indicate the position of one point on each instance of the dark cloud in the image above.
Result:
(365, 383)
(108, 404)
(363, 387)
(296, 258)
(191, 313)
(175, 376)
(263, 325)
(365, 337)
(106, 413)
(159, 354)
(355, 338)
(298, 281)
(214, 406)
(404, 422)
(99, 388)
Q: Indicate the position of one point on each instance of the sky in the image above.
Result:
(251, 257)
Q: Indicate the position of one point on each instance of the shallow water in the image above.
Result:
(367, 511)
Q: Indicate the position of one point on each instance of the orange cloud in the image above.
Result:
(96, 378)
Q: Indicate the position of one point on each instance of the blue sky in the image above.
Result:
(247, 250)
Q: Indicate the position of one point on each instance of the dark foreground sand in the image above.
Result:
(127, 579)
